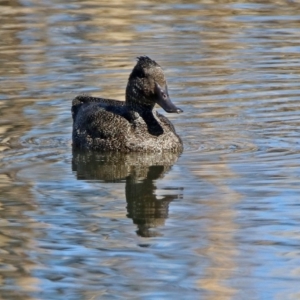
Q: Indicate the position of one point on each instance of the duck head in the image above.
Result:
(147, 86)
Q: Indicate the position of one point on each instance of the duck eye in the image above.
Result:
(164, 95)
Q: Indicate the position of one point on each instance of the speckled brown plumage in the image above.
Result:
(112, 125)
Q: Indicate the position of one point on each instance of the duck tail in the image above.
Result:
(77, 102)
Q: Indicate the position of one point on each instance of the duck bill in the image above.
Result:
(165, 102)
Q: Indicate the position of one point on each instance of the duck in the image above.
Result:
(132, 125)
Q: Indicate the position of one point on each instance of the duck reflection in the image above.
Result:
(140, 170)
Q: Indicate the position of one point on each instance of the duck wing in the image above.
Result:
(84, 100)
(100, 123)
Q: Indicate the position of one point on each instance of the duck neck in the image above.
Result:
(141, 106)
(145, 111)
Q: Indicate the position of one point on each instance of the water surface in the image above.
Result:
(221, 221)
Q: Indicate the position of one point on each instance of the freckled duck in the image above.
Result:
(130, 126)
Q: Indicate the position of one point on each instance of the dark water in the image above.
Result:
(219, 222)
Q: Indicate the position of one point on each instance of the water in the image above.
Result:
(219, 222)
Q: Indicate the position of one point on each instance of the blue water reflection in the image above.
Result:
(138, 171)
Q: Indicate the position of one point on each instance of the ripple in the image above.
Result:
(216, 148)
